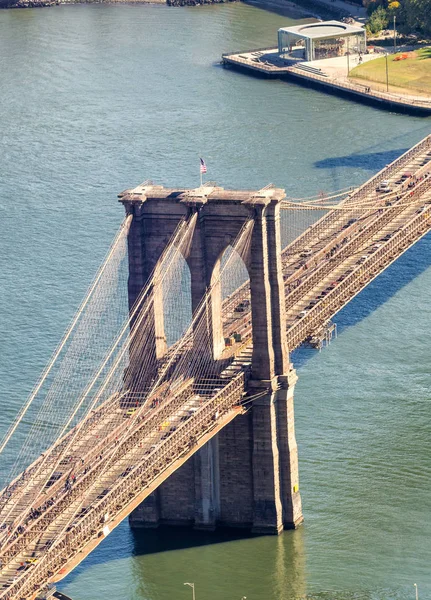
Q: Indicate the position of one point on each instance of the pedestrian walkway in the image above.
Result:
(357, 12)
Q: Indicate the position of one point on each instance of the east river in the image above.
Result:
(96, 98)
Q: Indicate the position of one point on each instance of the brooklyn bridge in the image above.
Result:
(180, 414)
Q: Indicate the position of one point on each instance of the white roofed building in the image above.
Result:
(316, 41)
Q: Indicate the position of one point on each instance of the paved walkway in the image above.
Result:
(357, 12)
(336, 70)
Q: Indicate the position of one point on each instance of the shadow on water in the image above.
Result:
(369, 160)
(117, 546)
(373, 161)
(404, 270)
(222, 556)
(159, 571)
(165, 539)
(123, 542)
(217, 564)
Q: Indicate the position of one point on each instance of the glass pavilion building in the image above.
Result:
(316, 41)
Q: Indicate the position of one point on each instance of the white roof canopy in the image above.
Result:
(322, 30)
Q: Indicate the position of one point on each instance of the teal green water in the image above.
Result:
(96, 98)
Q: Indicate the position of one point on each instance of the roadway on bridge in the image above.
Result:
(342, 245)
(116, 455)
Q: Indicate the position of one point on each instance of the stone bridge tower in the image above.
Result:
(247, 476)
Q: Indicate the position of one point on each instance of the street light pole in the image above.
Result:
(417, 593)
(387, 74)
(395, 34)
(192, 585)
(348, 64)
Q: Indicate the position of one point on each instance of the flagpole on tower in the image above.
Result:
(202, 168)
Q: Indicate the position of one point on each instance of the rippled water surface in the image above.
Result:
(96, 98)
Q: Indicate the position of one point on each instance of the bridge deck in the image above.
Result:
(117, 459)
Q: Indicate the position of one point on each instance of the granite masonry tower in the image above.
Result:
(247, 475)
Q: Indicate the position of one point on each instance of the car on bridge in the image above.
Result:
(242, 306)
(384, 187)
(126, 472)
(306, 253)
(101, 495)
(54, 477)
(404, 177)
(130, 412)
(10, 581)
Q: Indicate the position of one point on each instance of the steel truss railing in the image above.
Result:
(346, 251)
(49, 515)
(358, 279)
(337, 217)
(61, 444)
(332, 234)
(178, 444)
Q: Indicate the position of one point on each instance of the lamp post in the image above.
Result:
(387, 73)
(417, 593)
(395, 34)
(348, 63)
(192, 585)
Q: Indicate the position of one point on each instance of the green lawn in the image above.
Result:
(413, 73)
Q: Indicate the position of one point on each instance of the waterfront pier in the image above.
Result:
(304, 56)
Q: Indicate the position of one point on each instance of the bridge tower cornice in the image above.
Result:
(266, 196)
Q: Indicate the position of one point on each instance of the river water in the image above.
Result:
(96, 98)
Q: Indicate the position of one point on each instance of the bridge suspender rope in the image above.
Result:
(71, 440)
(118, 239)
(124, 338)
(242, 246)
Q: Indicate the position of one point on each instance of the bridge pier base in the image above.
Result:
(267, 505)
(276, 497)
(147, 515)
(288, 452)
(245, 477)
(207, 486)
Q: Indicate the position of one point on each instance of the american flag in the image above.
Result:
(203, 166)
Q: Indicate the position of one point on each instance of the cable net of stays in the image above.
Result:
(104, 369)
(324, 210)
(317, 217)
(53, 406)
(71, 382)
